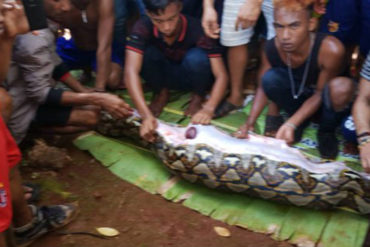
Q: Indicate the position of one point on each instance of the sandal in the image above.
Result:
(225, 108)
(272, 125)
(33, 190)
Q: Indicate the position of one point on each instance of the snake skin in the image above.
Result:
(254, 174)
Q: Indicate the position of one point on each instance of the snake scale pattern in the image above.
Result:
(263, 172)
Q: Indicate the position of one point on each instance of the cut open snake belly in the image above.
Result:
(259, 166)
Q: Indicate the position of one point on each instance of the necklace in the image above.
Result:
(305, 73)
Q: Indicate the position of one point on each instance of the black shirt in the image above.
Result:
(191, 35)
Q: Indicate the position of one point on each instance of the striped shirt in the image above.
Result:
(365, 72)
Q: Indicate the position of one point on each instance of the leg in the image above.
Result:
(22, 213)
(237, 59)
(5, 104)
(115, 77)
(197, 77)
(277, 88)
(275, 84)
(337, 98)
(116, 68)
(60, 119)
(154, 71)
(237, 54)
(159, 102)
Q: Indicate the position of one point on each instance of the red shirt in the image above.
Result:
(9, 157)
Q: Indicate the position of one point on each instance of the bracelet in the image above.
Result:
(363, 141)
(291, 125)
(367, 133)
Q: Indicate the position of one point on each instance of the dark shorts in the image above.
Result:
(344, 25)
(76, 58)
(349, 21)
(52, 113)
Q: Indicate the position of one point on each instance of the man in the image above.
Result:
(29, 222)
(300, 69)
(237, 28)
(361, 115)
(91, 23)
(35, 99)
(171, 52)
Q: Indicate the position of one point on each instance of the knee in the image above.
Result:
(91, 117)
(196, 61)
(342, 90)
(115, 77)
(270, 84)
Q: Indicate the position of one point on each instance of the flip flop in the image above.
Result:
(272, 125)
(225, 108)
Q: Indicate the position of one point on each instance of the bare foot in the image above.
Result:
(159, 102)
(238, 101)
(195, 105)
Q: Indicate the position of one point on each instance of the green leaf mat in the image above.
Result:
(296, 225)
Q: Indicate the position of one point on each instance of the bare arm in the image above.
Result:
(132, 79)
(105, 33)
(109, 102)
(133, 64)
(361, 116)
(204, 116)
(248, 14)
(361, 112)
(209, 20)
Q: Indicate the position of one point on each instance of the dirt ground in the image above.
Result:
(143, 220)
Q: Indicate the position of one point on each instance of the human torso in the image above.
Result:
(83, 23)
(190, 35)
(299, 66)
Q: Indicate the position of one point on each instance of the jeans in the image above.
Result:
(192, 74)
(277, 86)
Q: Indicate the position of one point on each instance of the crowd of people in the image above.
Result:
(193, 46)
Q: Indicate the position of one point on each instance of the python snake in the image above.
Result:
(262, 167)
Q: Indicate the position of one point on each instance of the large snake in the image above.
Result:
(260, 166)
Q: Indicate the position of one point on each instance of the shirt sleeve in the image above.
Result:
(365, 72)
(34, 59)
(140, 35)
(211, 46)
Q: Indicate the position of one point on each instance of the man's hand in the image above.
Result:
(248, 14)
(15, 20)
(115, 105)
(365, 157)
(147, 129)
(210, 24)
(242, 133)
(203, 116)
(320, 6)
(286, 133)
